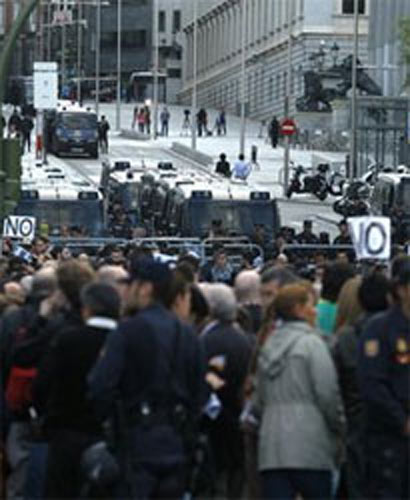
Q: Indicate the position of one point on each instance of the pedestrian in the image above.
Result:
(153, 364)
(222, 122)
(227, 352)
(384, 382)
(71, 421)
(248, 294)
(344, 237)
(141, 120)
(334, 277)
(298, 400)
(202, 122)
(371, 298)
(26, 129)
(164, 118)
(14, 123)
(241, 169)
(223, 167)
(272, 279)
(103, 128)
(186, 124)
(274, 132)
(147, 120)
(18, 327)
(221, 270)
(307, 236)
(134, 117)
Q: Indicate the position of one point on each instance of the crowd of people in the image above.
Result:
(142, 119)
(125, 377)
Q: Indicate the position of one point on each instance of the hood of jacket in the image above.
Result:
(273, 357)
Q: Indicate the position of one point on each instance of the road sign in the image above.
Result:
(20, 227)
(371, 237)
(288, 127)
(45, 85)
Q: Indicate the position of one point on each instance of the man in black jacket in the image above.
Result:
(153, 364)
(18, 326)
(223, 167)
(55, 313)
(373, 298)
(227, 352)
(61, 387)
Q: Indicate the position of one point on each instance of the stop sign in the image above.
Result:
(288, 127)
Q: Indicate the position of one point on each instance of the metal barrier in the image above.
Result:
(295, 250)
(234, 247)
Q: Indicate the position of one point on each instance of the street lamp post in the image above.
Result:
(79, 48)
(243, 78)
(154, 128)
(49, 29)
(97, 58)
(119, 54)
(63, 44)
(194, 74)
(287, 101)
(353, 138)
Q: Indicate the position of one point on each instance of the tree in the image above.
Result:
(405, 45)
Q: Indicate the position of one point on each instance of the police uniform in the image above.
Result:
(154, 365)
(384, 379)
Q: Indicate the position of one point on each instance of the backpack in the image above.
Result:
(19, 388)
(23, 367)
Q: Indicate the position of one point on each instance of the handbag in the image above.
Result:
(99, 466)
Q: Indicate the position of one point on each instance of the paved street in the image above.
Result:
(293, 212)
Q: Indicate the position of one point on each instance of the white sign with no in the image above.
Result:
(371, 237)
(19, 226)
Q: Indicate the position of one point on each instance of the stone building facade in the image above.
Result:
(315, 25)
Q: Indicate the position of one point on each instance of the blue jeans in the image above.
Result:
(36, 472)
(285, 484)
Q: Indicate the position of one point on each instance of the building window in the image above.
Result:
(161, 21)
(174, 73)
(176, 21)
(137, 39)
(348, 6)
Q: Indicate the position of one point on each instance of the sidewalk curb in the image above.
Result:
(132, 134)
(192, 155)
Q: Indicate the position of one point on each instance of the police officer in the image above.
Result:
(384, 381)
(153, 363)
(307, 236)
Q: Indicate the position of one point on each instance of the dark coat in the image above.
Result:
(152, 359)
(223, 168)
(62, 380)
(228, 341)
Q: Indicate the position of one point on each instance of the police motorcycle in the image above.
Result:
(317, 184)
(355, 201)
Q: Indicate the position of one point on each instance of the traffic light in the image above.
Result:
(10, 176)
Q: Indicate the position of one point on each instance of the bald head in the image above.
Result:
(111, 275)
(44, 283)
(115, 276)
(247, 287)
